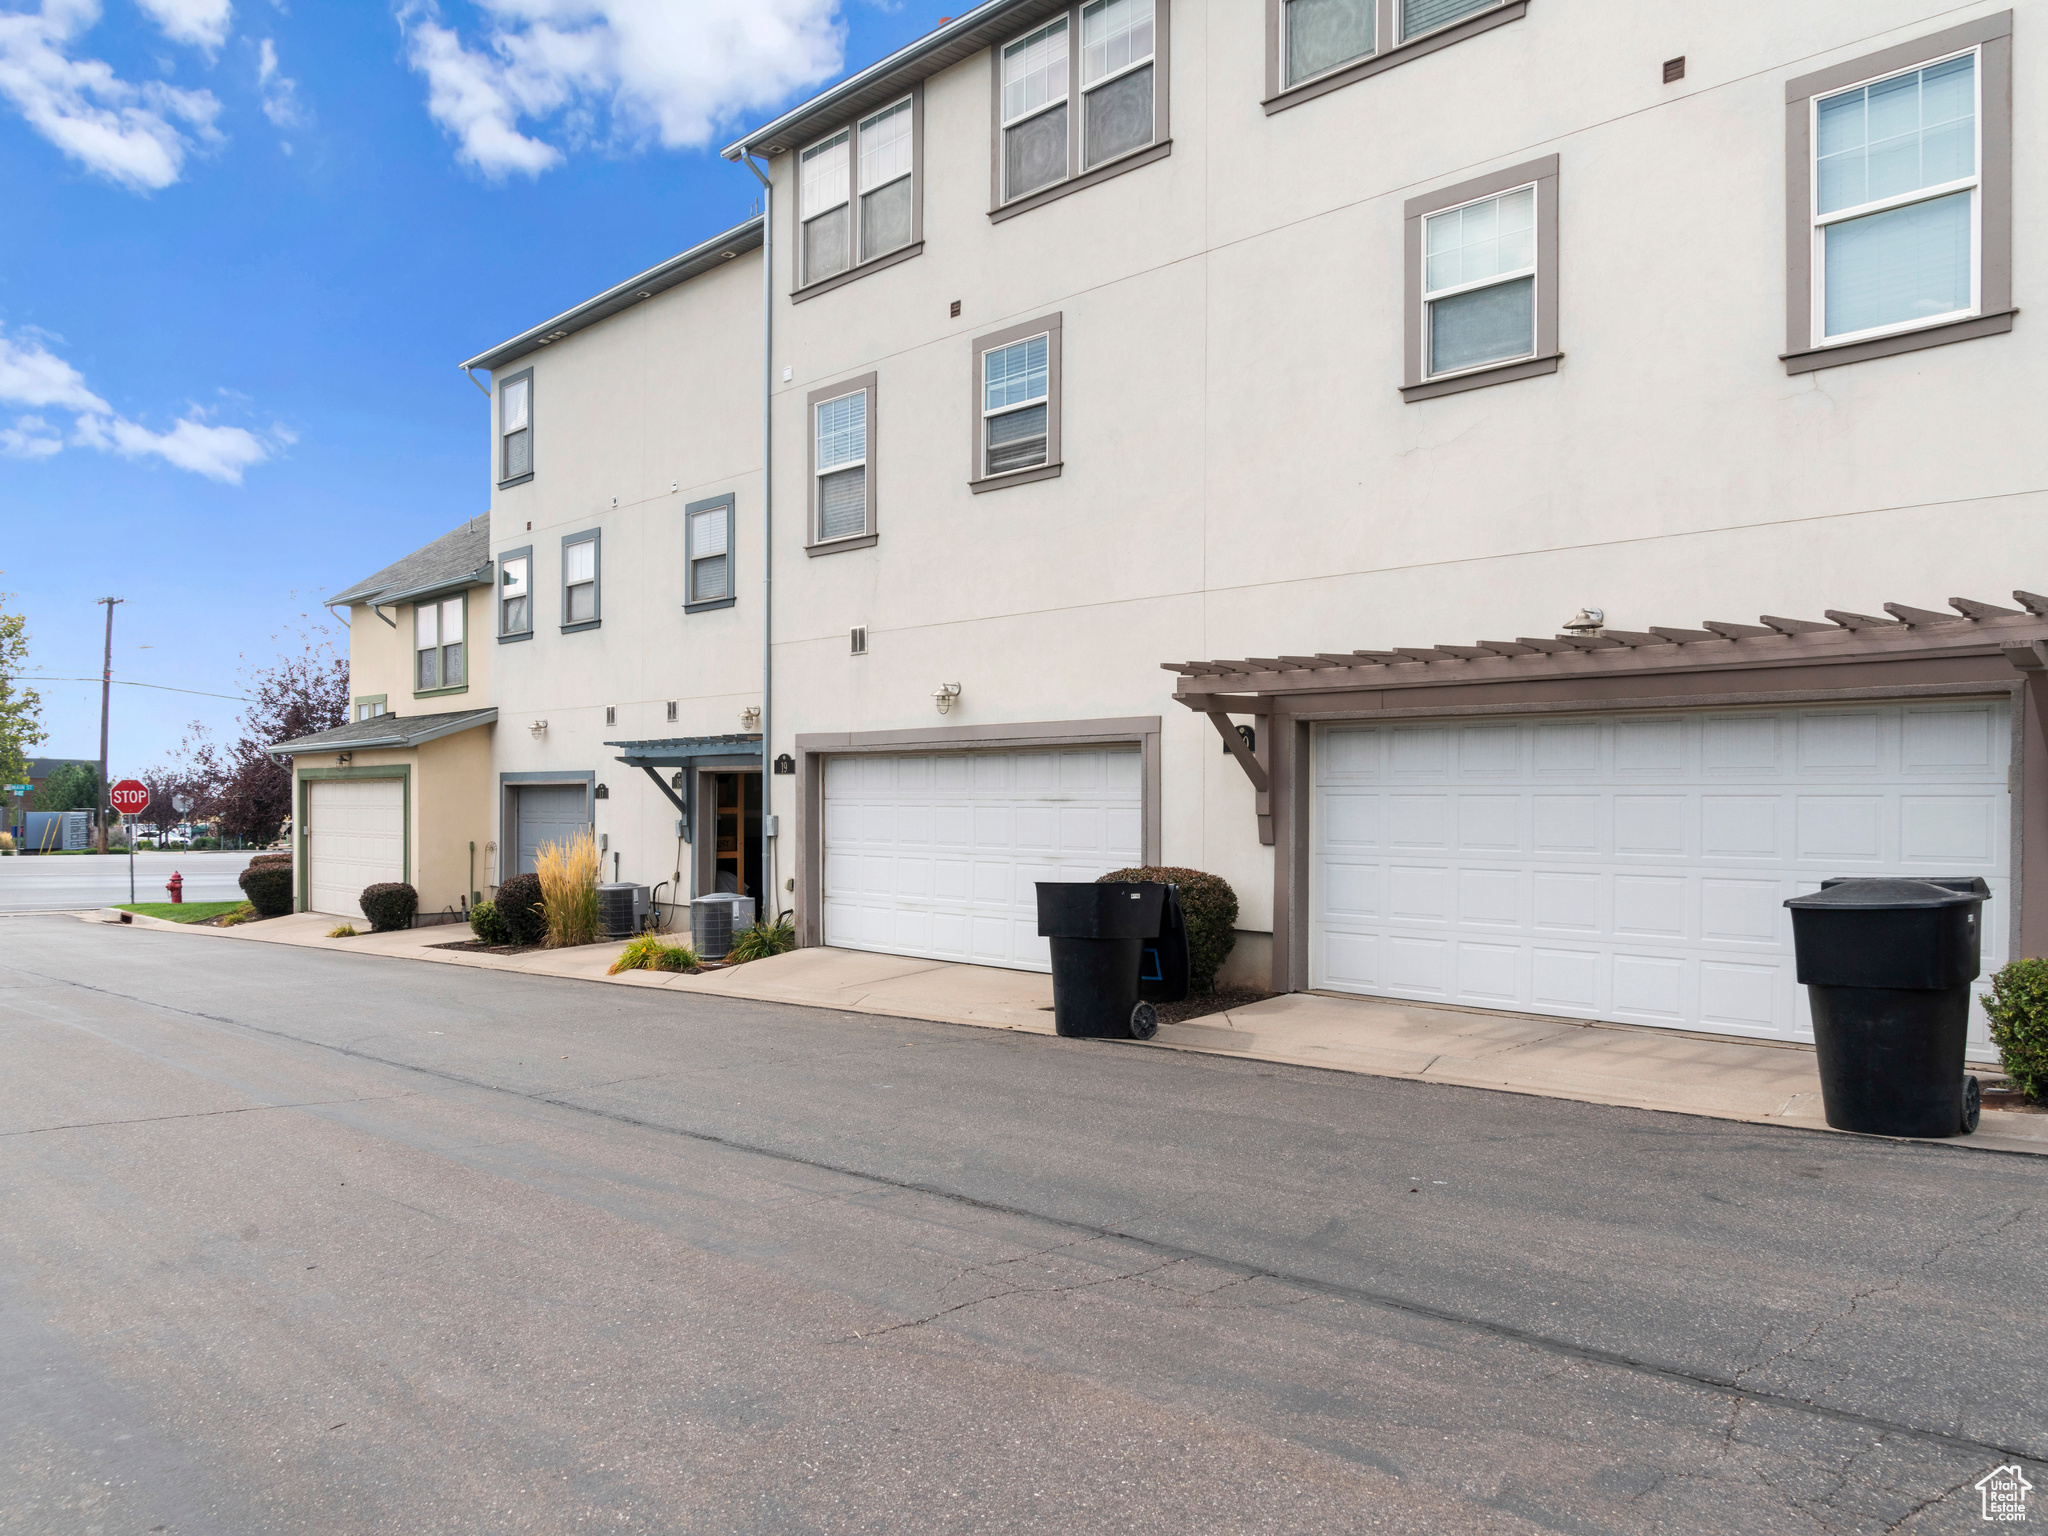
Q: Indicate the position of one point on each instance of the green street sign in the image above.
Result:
(21, 789)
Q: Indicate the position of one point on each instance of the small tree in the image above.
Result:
(21, 709)
(70, 787)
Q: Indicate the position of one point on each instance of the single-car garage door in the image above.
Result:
(938, 854)
(355, 836)
(544, 814)
(1634, 867)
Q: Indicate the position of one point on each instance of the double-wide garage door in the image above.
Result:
(355, 836)
(1634, 868)
(938, 854)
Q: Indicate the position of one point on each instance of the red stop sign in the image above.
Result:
(130, 797)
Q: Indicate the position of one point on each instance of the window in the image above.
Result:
(860, 196)
(371, 707)
(437, 645)
(707, 555)
(1316, 46)
(580, 592)
(1482, 282)
(1016, 404)
(515, 429)
(515, 603)
(842, 443)
(1077, 99)
(1900, 198)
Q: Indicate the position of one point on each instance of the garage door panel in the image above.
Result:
(355, 838)
(1419, 822)
(1636, 868)
(1423, 751)
(939, 854)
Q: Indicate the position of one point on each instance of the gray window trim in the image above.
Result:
(799, 290)
(1416, 385)
(1993, 36)
(813, 545)
(730, 502)
(1078, 179)
(523, 552)
(593, 536)
(498, 440)
(1049, 326)
(1279, 98)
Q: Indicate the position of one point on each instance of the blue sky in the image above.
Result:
(244, 244)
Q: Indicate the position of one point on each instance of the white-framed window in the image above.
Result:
(709, 556)
(515, 426)
(1319, 35)
(1117, 38)
(822, 185)
(515, 607)
(1015, 399)
(1034, 126)
(437, 644)
(885, 189)
(841, 448)
(1896, 203)
(370, 709)
(579, 581)
(1479, 282)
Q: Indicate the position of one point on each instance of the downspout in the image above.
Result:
(771, 908)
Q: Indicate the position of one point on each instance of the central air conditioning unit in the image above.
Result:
(714, 919)
(621, 908)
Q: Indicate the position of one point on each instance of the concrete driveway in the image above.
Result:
(293, 1240)
(75, 882)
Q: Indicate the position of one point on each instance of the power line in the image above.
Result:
(122, 682)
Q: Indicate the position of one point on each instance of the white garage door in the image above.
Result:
(938, 854)
(355, 836)
(1633, 868)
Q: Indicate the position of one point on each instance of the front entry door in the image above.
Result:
(729, 835)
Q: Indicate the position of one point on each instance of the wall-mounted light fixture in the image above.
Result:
(1587, 621)
(539, 728)
(944, 695)
(750, 718)
(344, 758)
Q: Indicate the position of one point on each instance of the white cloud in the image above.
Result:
(32, 375)
(197, 23)
(280, 92)
(128, 132)
(219, 453)
(621, 72)
(29, 438)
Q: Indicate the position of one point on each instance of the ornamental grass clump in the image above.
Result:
(568, 890)
(757, 941)
(1209, 905)
(2018, 1006)
(650, 953)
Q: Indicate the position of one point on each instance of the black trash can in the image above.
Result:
(1887, 965)
(1098, 933)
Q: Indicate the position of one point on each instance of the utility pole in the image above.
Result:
(106, 701)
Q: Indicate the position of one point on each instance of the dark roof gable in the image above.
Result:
(459, 558)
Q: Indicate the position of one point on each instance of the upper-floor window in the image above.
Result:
(1899, 198)
(707, 554)
(857, 194)
(437, 644)
(1017, 404)
(1080, 94)
(515, 428)
(515, 610)
(579, 579)
(371, 708)
(1313, 46)
(1895, 201)
(842, 466)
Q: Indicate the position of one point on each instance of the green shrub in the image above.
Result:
(757, 941)
(2018, 1006)
(519, 904)
(485, 923)
(269, 858)
(649, 953)
(389, 905)
(242, 914)
(1210, 906)
(268, 887)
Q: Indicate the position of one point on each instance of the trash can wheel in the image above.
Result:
(1973, 1103)
(1145, 1023)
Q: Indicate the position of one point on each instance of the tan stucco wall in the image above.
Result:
(380, 659)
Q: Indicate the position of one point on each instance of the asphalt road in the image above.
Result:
(303, 1242)
(79, 882)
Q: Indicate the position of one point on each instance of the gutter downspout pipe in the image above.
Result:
(770, 909)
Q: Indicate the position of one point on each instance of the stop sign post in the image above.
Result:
(131, 798)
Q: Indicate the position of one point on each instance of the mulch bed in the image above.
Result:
(2013, 1102)
(1199, 1005)
(478, 946)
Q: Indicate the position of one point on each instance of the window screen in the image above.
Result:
(1035, 110)
(515, 427)
(1420, 16)
(1015, 383)
(1116, 78)
(1322, 34)
(842, 449)
(514, 615)
(710, 571)
(579, 582)
(1479, 281)
(823, 207)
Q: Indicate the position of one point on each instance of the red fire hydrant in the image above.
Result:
(176, 886)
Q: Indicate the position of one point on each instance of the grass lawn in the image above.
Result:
(181, 911)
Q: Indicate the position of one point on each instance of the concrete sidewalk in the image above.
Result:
(1766, 1082)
